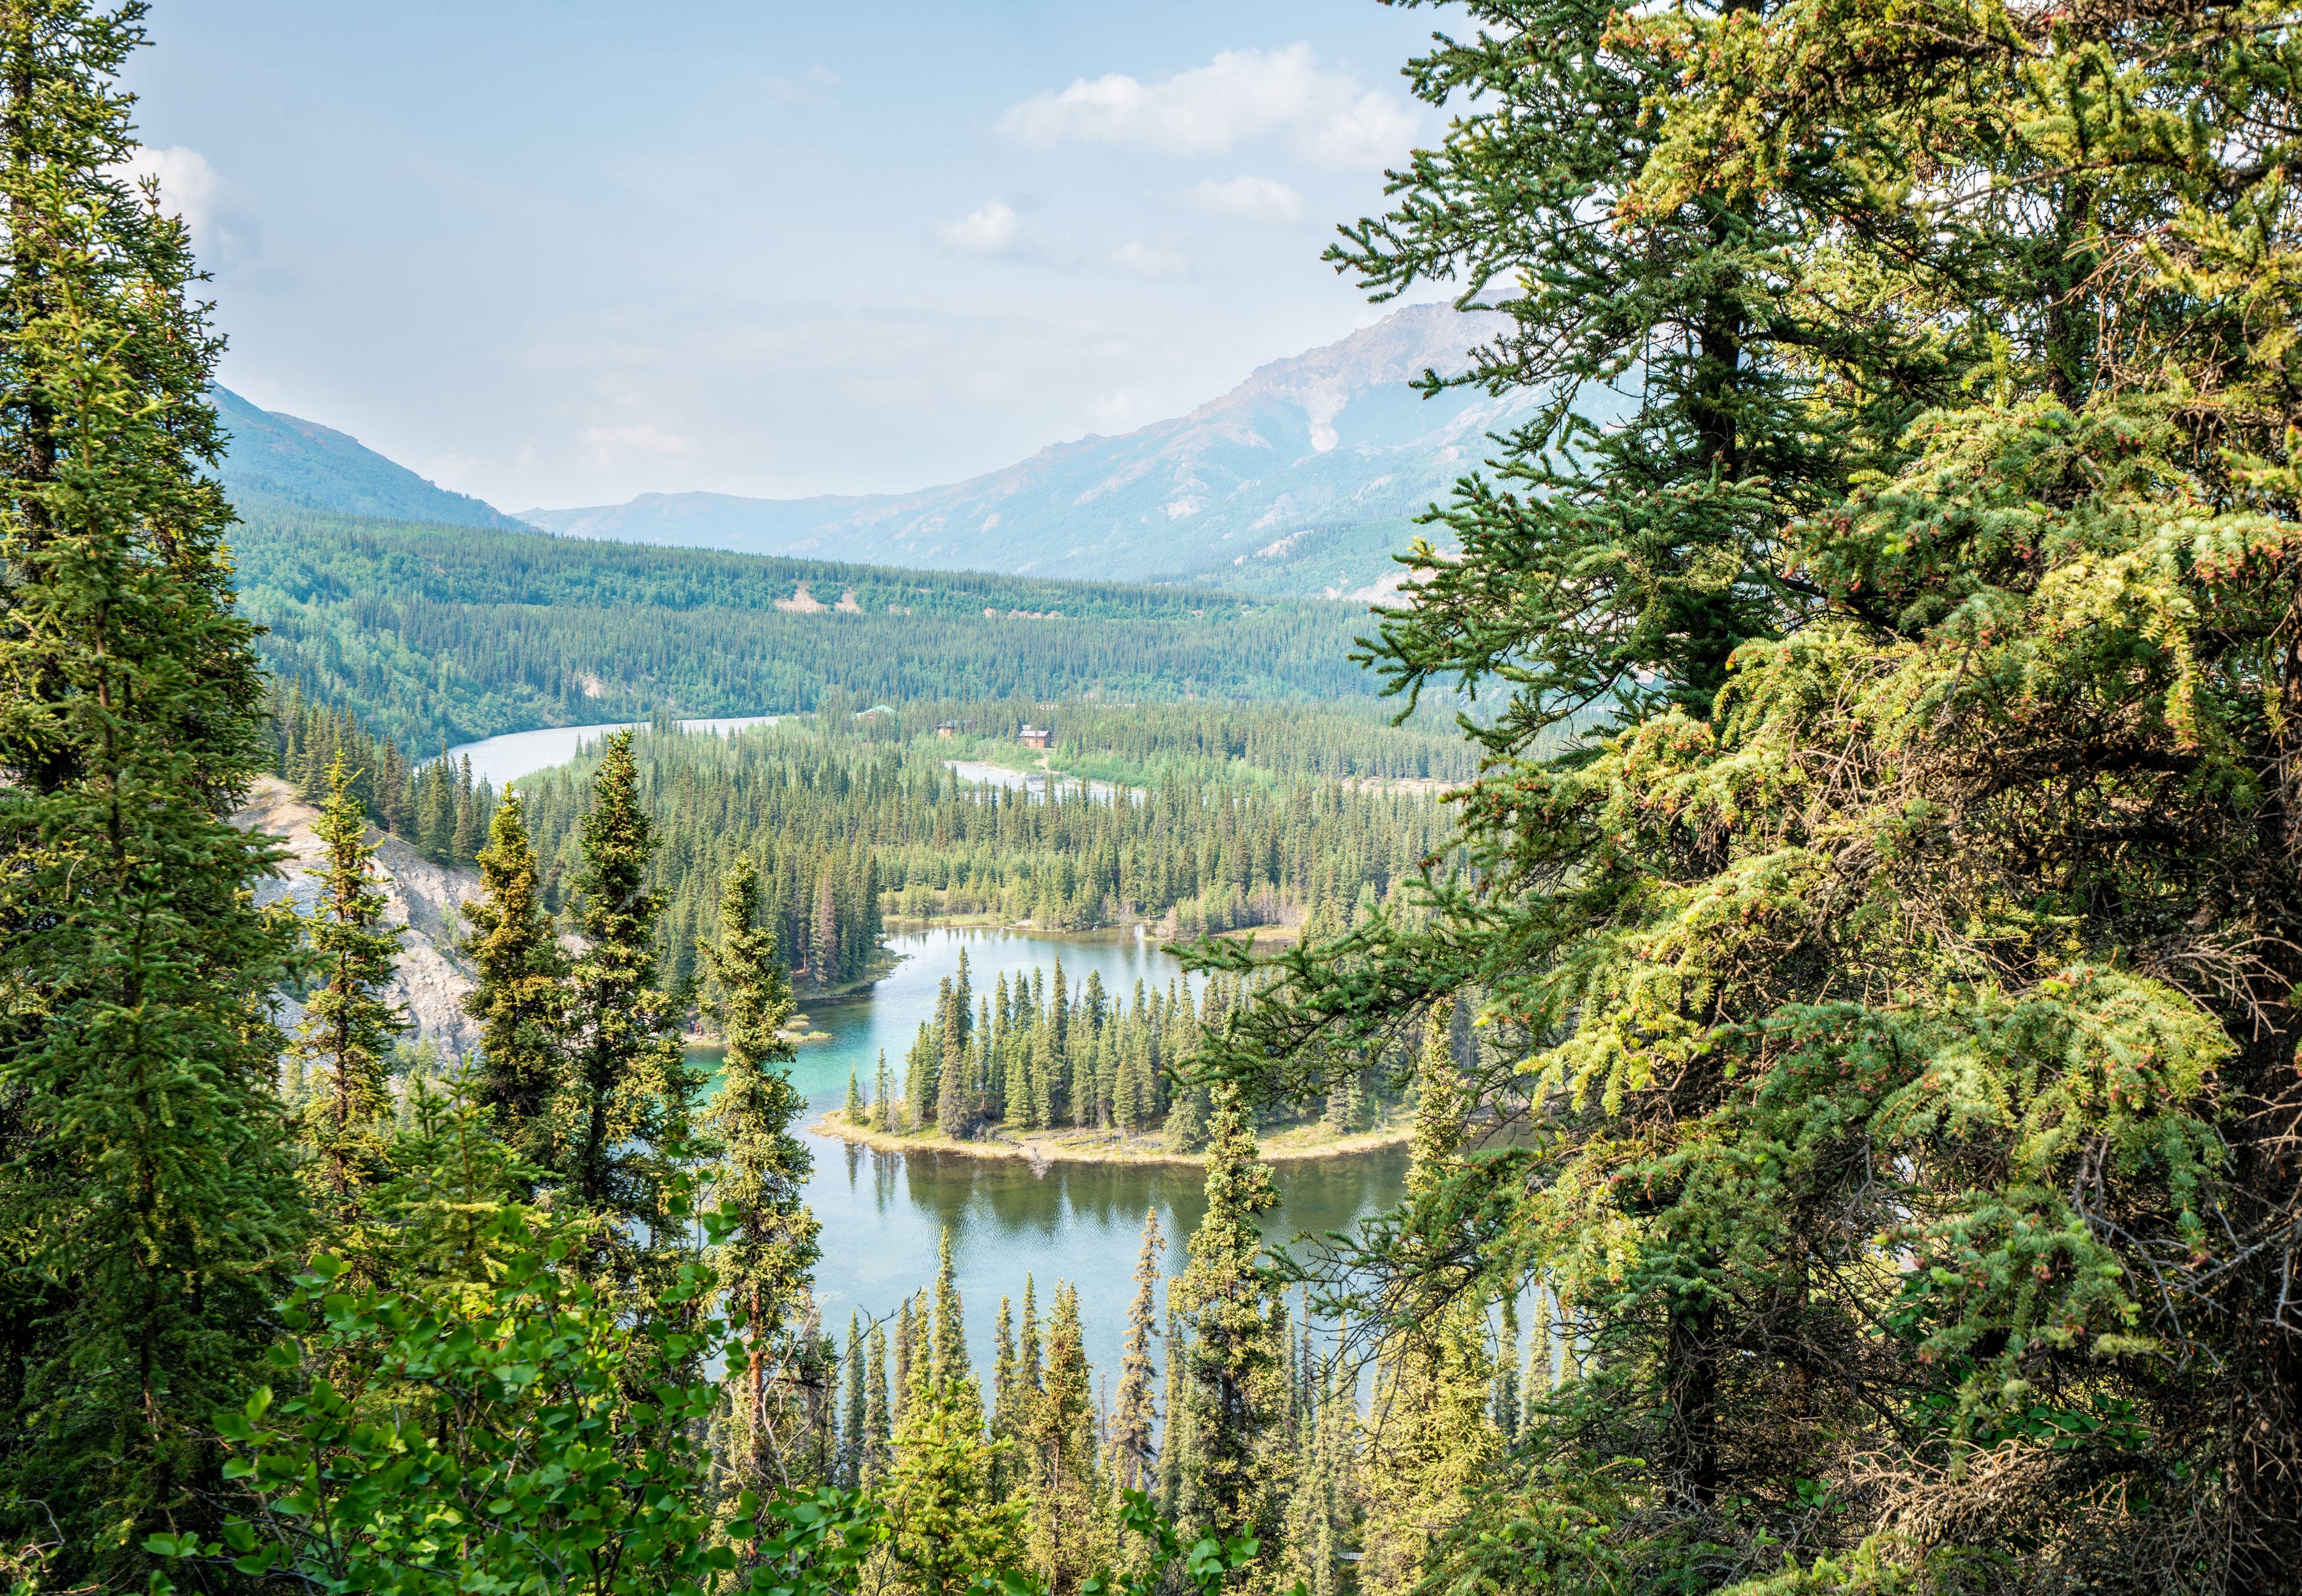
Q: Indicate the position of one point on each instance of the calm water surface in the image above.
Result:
(883, 1213)
(515, 755)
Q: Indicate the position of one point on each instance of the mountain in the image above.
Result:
(281, 459)
(1302, 480)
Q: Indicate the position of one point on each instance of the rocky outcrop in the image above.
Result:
(420, 896)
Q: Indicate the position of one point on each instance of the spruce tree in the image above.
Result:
(950, 1348)
(878, 1414)
(626, 1075)
(1883, 696)
(145, 1192)
(1235, 1347)
(519, 992)
(1135, 1418)
(766, 1262)
(951, 1524)
(348, 1023)
(953, 1112)
(1069, 1536)
(854, 1431)
(1433, 1443)
(883, 1102)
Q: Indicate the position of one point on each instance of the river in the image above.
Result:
(884, 1213)
(515, 754)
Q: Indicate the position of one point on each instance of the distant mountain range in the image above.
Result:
(1302, 480)
(280, 459)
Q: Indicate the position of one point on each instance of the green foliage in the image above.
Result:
(1204, 1564)
(519, 992)
(349, 1024)
(849, 827)
(499, 1448)
(437, 809)
(1431, 1443)
(1134, 1417)
(1235, 1354)
(953, 1526)
(763, 1266)
(1888, 994)
(1069, 1536)
(627, 1087)
(146, 1208)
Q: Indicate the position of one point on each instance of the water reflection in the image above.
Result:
(882, 1213)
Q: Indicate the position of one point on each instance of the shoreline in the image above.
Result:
(1048, 1146)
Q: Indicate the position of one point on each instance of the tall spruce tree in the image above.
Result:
(1135, 1417)
(627, 1077)
(953, 1525)
(146, 1199)
(1234, 1369)
(1886, 878)
(1069, 1536)
(766, 1262)
(348, 1023)
(519, 992)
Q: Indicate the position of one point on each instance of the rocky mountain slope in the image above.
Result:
(277, 460)
(419, 895)
(1301, 480)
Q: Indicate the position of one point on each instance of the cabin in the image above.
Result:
(1036, 736)
(947, 728)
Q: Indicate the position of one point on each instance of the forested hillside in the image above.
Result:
(837, 816)
(436, 633)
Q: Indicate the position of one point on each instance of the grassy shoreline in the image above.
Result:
(1296, 1145)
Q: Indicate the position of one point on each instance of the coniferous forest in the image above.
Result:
(1844, 1020)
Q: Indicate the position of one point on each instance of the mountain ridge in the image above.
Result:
(276, 458)
(1302, 478)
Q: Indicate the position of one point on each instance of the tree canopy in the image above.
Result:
(1884, 1004)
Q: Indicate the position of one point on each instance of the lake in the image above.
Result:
(883, 1213)
(515, 755)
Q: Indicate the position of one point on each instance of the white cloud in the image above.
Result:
(1327, 118)
(804, 92)
(1146, 260)
(609, 448)
(225, 232)
(1247, 199)
(987, 230)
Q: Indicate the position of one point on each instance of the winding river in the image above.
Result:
(883, 1214)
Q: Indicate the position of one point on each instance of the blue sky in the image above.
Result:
(563, 253)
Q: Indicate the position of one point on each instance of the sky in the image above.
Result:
(557, 253)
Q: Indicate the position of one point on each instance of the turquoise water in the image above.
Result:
(883, 1213)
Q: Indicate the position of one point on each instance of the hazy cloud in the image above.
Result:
(224, 231)
(1327, 118)
(988, 229)
(1146, 260)
(804, 91)
(1248, 199)
(612, 447)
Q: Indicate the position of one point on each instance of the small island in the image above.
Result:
(1285, 1144)
(1042, 1069)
